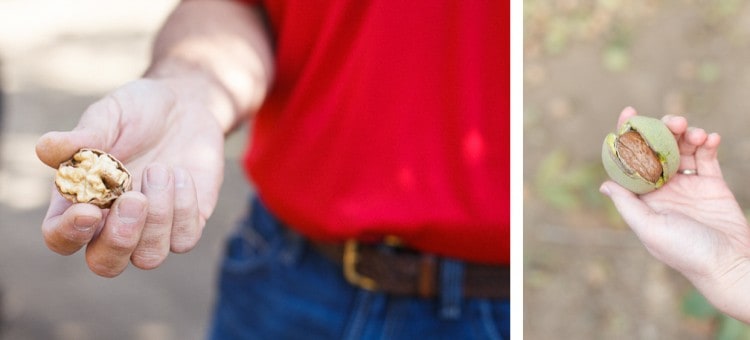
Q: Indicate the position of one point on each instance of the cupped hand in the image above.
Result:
(693, 223)
(168, 139)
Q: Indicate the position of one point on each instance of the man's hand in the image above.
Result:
(693, 223)
(173, 146)
(212, 65)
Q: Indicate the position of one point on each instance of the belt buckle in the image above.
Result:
(351, 257)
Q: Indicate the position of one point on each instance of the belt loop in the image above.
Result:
(451, 288)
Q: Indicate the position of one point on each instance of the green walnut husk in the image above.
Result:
(659, 139)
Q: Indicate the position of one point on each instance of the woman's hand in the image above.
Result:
(693, 223)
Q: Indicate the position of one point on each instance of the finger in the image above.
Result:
(57, 203)
(56, 147)
(109, 252)
(706, 156)
(632, 209)
(625, 114)
(186, 225)
(679, 127)
(153, 248)
(96, 129)
(676, 124)
(641, 218)
(690, 141)
(67, 231)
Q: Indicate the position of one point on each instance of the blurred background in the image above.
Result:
(586, 275)
(56, 58)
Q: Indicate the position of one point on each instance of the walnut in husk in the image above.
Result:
(642, 156)
(92, 176)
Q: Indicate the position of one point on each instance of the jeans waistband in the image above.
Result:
(449, 274)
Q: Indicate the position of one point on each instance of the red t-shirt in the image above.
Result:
(389, 118)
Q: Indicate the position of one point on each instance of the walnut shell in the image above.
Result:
(637, 156)
(642, 156)
(92, 176)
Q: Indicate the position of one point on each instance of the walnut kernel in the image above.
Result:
(92, 176)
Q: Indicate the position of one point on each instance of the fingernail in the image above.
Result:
(129, 209)
(180, 177)
(84, 223)
(157, 176)
(604, 189)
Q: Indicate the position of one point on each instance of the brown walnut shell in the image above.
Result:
(635, 153)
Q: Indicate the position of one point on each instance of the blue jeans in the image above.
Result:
(274, 285)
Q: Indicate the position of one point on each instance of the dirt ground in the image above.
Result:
(586, 276)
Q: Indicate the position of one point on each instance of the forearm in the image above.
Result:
(220, 51)
(727, 289)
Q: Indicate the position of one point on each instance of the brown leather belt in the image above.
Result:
(401, 271)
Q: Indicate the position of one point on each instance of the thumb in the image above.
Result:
(56, 147)
(632, 209)
(95, 130)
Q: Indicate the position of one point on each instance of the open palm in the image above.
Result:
(172, 145)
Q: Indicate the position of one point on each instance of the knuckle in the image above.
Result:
(185, 235)
(184, 215)
(103, 270)
(78, 238)
(147, 259)
(121, 245)
(158, 217)
(183, 243)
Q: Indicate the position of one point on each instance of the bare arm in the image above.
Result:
(225, 42)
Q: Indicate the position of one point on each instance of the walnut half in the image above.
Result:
(92, 176)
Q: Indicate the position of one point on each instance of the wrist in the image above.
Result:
(195, 86)
(726, 287)
(222, 45)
